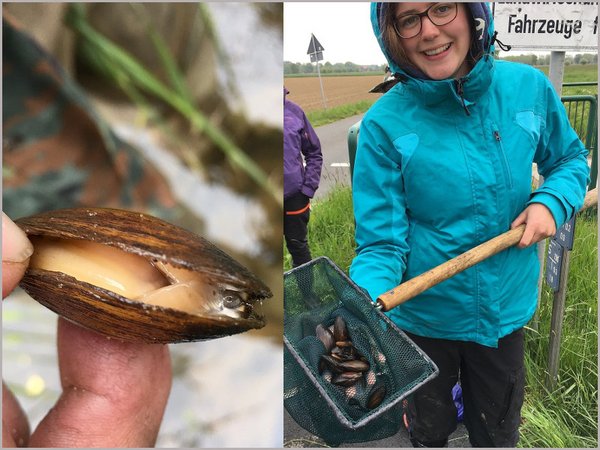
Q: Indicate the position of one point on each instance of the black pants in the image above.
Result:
(492, 382)
(295, 227)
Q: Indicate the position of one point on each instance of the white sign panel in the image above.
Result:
(561, 26)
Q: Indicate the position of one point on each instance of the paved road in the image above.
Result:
(334, 144)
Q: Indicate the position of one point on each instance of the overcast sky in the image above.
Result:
(343, 29)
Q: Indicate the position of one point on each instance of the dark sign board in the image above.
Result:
(314, 45)
(315, 49)
(565, 234)
(314, 57)
(553, 263)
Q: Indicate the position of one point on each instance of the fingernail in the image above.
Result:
(16, 247)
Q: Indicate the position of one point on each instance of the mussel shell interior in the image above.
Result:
(155, 240)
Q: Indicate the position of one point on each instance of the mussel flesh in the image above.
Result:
(138, 278)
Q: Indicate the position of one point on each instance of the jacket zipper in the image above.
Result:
(460, 91)
(504, 160)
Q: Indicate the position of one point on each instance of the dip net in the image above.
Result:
(321, 393)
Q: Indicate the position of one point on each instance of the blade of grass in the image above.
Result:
(147, 82)
(166, 57)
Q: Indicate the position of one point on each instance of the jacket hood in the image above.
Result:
(483, 24)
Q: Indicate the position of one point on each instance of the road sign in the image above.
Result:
(315, 50)
(314, 46)
(553, 263)
(558, 26)
(318, 56)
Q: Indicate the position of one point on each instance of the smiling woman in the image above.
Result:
(478, 125)
(434, 42)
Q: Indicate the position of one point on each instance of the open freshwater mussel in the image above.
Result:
(343, 365)
(135, 277)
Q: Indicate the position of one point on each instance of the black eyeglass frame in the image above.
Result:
(420, 16)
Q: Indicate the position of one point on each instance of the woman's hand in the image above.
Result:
(539, 224)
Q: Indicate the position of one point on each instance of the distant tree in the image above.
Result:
(290, 68)
(534, 59)
(327, 68)
(577, 58)
(307, 68)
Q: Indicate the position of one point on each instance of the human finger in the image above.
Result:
(528, 236)
(16, 250)
(15, 427)
(114, 393)
(521, 218)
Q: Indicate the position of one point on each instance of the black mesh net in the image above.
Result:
(362, 408)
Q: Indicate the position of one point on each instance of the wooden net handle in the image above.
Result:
(418, 284)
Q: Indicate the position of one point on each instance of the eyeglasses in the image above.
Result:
(409, 25)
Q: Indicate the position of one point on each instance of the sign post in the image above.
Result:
(315, 51)
(555, 27)
(557, 269)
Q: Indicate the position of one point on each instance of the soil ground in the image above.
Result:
(338, 90)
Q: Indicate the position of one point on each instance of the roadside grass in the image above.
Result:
(564, 417)
(321, 117)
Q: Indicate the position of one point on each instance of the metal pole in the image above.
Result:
(321, 83)
(314, 45)
(556, 74)
(557, 70)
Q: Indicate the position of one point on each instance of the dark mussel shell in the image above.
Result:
(157, 241)
(376, 396)
(325, 336)
(340, 331)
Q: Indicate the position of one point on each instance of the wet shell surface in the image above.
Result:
(138, 278)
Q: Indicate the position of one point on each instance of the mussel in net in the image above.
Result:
(138, 278)
(376, 396)
(325, 336)
(340, 330)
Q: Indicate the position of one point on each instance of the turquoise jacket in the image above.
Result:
(436, 174)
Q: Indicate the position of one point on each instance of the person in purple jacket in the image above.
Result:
(302, 163)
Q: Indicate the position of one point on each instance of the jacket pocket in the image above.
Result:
(502, 156)
(531, 123)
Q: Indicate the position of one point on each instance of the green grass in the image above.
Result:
(321, 117)
(565, 417)
(331, 229)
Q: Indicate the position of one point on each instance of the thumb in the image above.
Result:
(16, 250)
